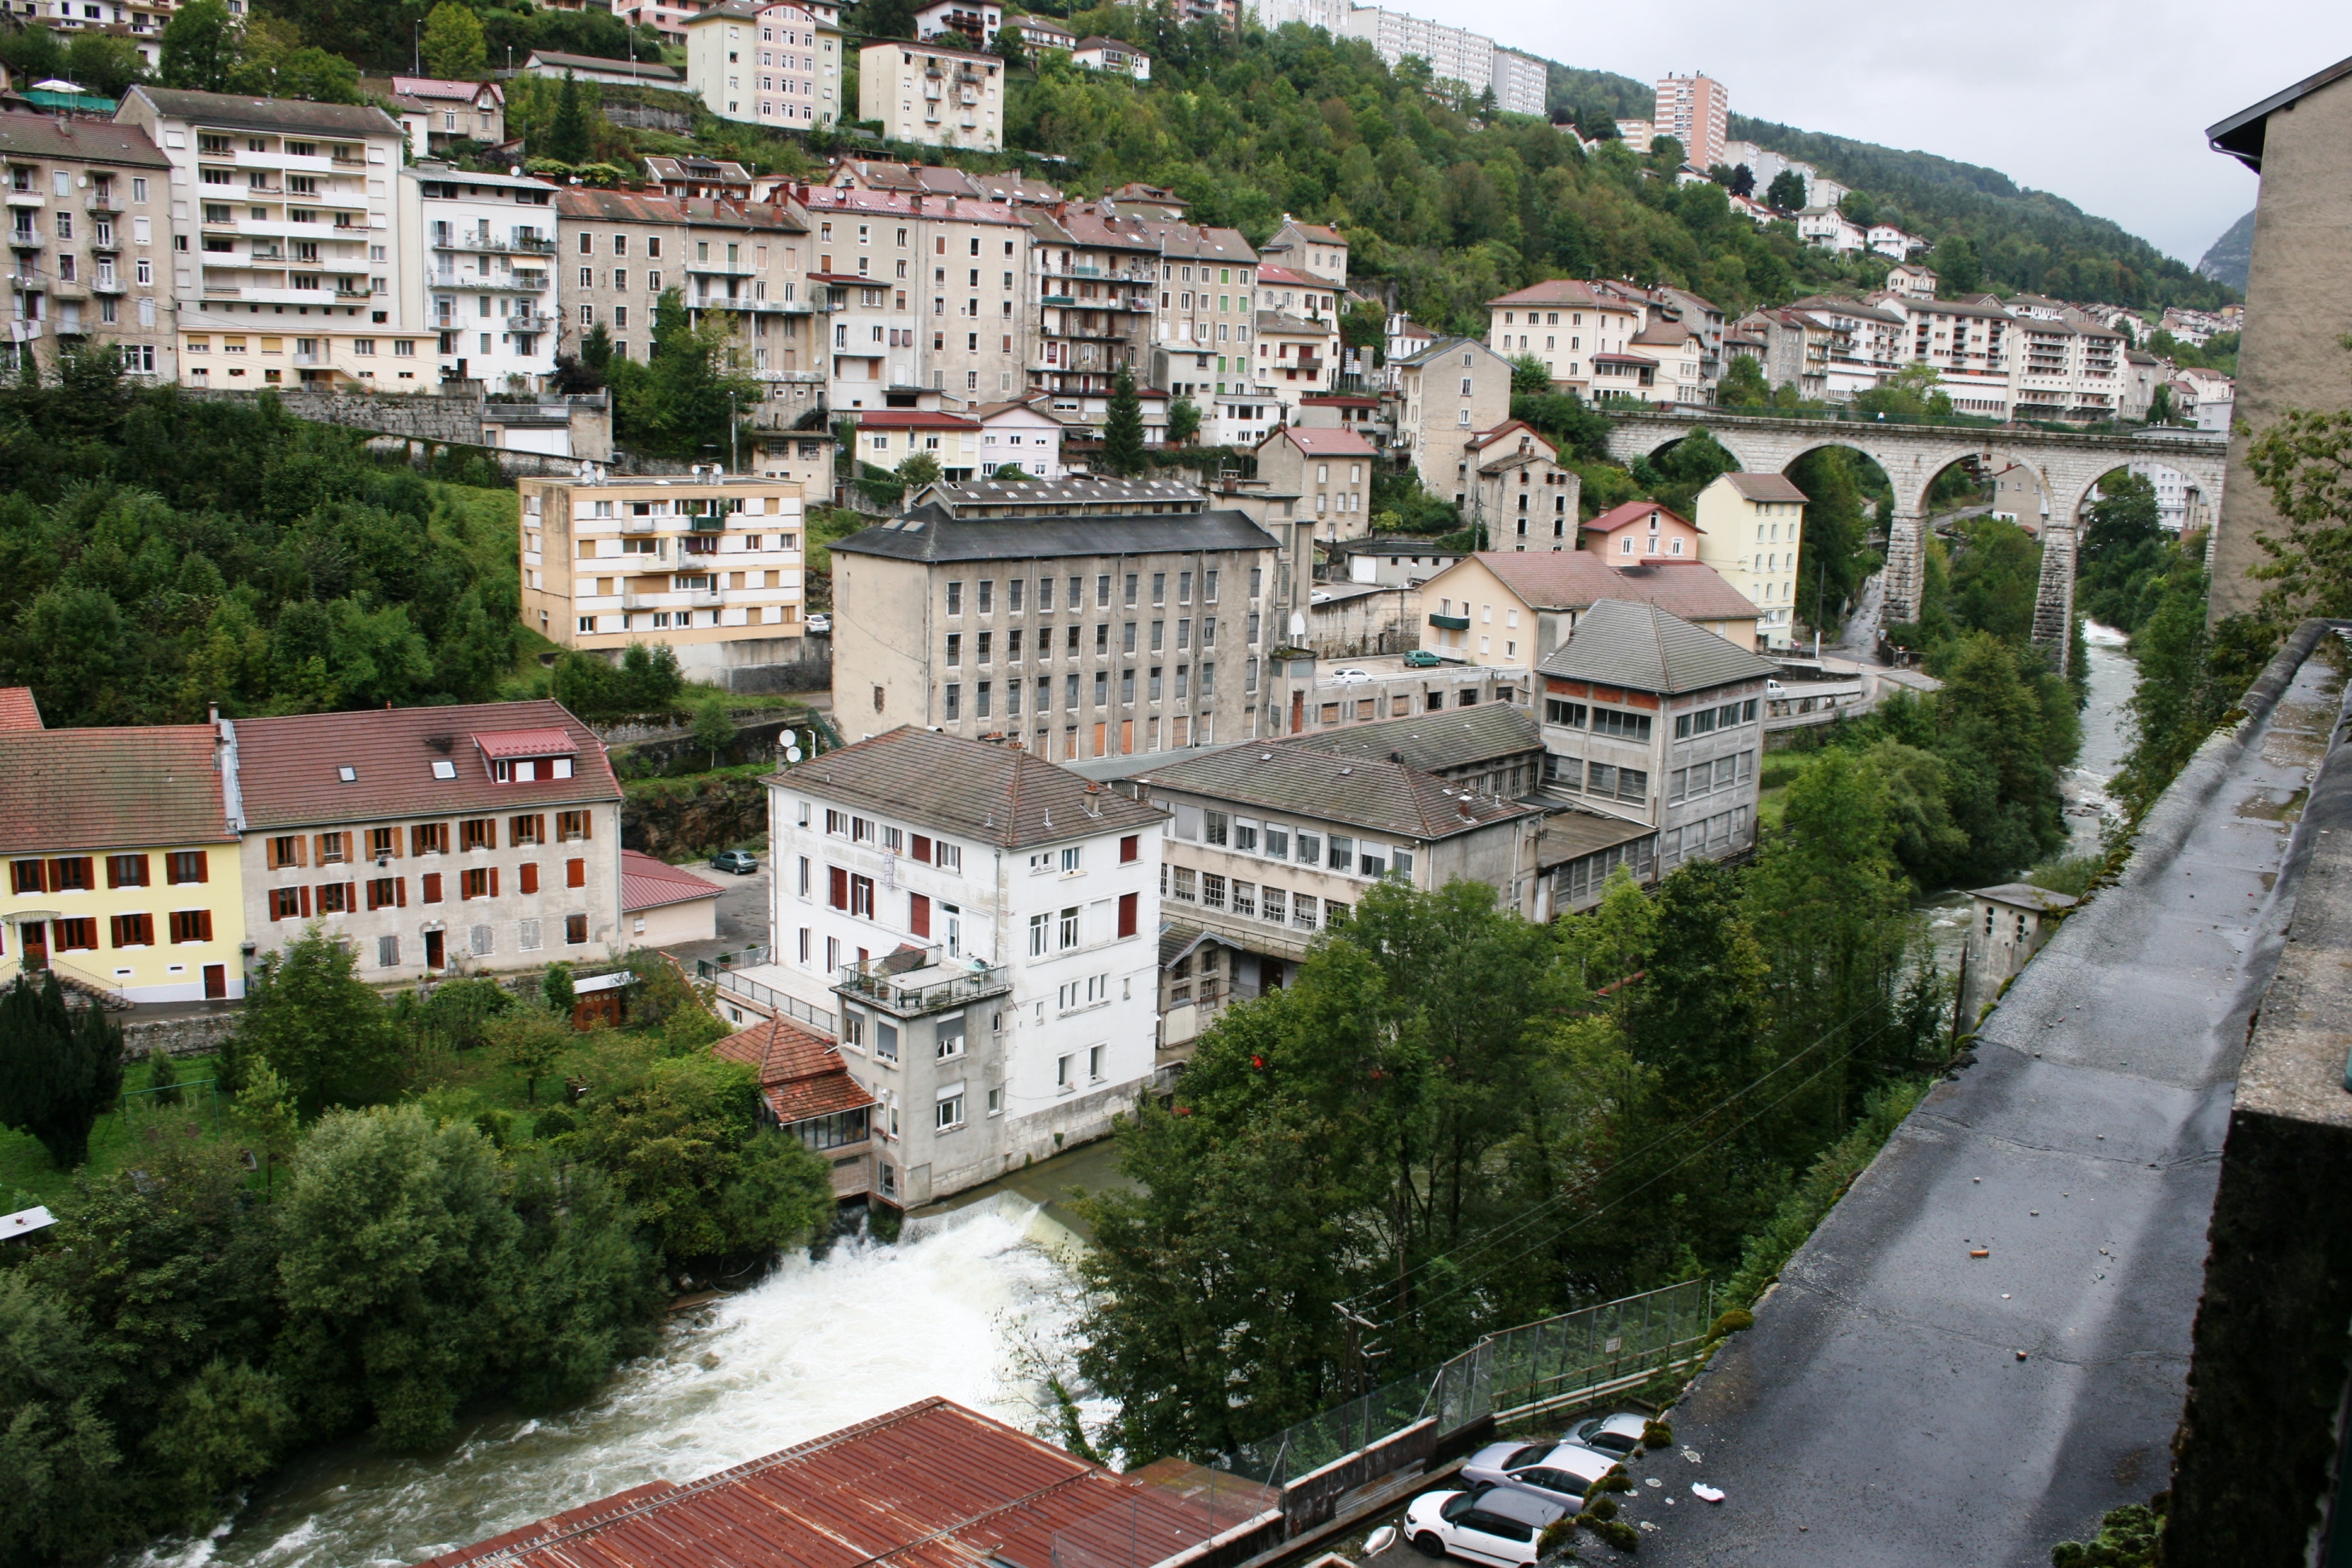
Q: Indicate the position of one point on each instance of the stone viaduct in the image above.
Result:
(2067, 466)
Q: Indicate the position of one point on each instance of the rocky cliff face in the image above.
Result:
(2227, 261)
(670, 819)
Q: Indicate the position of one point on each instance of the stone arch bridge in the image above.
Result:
(2065, 465)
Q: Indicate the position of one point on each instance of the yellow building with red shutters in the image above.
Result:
(121, 858)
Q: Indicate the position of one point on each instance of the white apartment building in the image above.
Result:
(986, 927)
(766, 64)
(1455, 53)
(287, 260)
(2063, 370)
(142, 21)
(709, 564)
(1328, 15)
(1578, 331)
(932, 94)
(1521, 82)
(921, 292)
(1966, 342)
(1695, 110)
(486, 283)
(88, 234)
(970, 22)
(1208, 282)
(1826, 228)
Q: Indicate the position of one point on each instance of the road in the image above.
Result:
(743, 920)
(1902, 1400)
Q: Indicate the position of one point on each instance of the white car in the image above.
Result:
(1351, 677)
(1620, 1434)
(1500, 1527)
(820, 625)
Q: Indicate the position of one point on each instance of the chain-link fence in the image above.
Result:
(1583, 1354)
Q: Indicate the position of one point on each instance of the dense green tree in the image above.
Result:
(1958, 269)
(1743, 385)
(104, 64)
(60, 1067)
(323, 1030)
(2125, 555)
(532, 1043)
(714, 730)
(453, 42)
(1531, 376)
(199, 46)
(1673, 478)
(572, 138)
(60, 1457)
(556, 990)
(1122, 448)
(1786, 194)
(1184, 422)
(689, 398)
(1832, 558)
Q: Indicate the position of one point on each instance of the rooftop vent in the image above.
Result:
(349, 775)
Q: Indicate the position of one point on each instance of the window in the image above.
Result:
(429, 838)
(384, 892)
(950, 1111)
(285, 903)
(428, 887)
(886, 1040)
(1131, 849)
(1623, 725)
(1095, 1063)
(571, 827)
(1570, 714)
(950, 1037)
(132, 931)
(73, 934)
(286, 849)
(126, 871)
(1037, 934)
(575, 873)
(950, 857)
(191, 925)
(479, 882)
(387, 953)
(1061, 1073)
(522, 830)
(479, 833)
(575, 929)
(1069, 929)
(182, 867)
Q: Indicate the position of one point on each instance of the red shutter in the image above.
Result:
(351, 897)
(529, 882)
(922, 849)
(1131, 849)
(203, 865)
(431, 891)
(918, 915)
(839, 888)
(575, 873)
(400, 892)
(1127, 908)
(304, 899)
(494, 881)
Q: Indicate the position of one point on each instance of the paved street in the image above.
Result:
(742, 915)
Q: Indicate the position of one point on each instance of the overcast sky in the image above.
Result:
(2103, 102)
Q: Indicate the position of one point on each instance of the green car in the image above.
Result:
(1421, 659)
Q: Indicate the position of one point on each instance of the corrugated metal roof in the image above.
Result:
(650, 884)
(288, 767)
(1644, 649)
(930, 1486)
(1453, 737)
(968, 789)
(94, 790)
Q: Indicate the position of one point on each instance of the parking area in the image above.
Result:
(742, 916)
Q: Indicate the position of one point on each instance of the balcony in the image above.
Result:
(313, 361)
(705, 598)
(637, 525)
(913, 984)
(1449, 623)
(22, 198)
(25, 239)
(109, 286)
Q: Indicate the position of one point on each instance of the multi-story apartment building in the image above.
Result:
(1208, 311)
(1269, 845)
(89, 233)
(1520, 494)
(435, 113)
(1505, 610)
(1966, 342)
(1695, 110)
(2064, 370)
(1795, 349)
(1310, 250)
(1827, 229)
(1326, 15)
(1573, 327)
(289, 262)
(766, 64)
(1084, 617)
(1042, 33)
(617, 250)
(971, 24)
(1330, 472)
(1521, 82)
(1098, 281)
(942, 180)
(486, 288)
(932, 94)
(711, 564)
(1749, 526)
(1455, 53)
(431, 840)
(1445, 393)
(1648, 719)
(921, 292)
(121, 850)
(1297, 356)
(718, 178)
(1867, 343)
(985, 926)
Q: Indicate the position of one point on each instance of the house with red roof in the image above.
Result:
(1504, 607)
(665, 904)
(1330, 472)
(1316, 250)
(1641, 532)
(1578, 331)
(806, 1089)
(17, 709)
(888, 436)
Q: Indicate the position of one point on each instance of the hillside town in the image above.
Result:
(1405, 896)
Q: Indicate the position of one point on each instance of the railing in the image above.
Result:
(767, 996)
(873, 985)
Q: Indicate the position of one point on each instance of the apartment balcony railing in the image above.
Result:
(102, 202)
(109, 285)
(22, 198)
(26, 239)
(933, 986)
(705, 598)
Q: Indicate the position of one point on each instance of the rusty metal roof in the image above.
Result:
(932, 1485)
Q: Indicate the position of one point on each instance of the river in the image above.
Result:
(2106, 741)
(957, 1308)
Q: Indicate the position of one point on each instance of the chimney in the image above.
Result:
(1094, 800)
(1467, 814)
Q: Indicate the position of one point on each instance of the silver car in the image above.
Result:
(1620, 1434)
(1563, 1473)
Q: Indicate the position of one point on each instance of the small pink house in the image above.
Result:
(1641, 532)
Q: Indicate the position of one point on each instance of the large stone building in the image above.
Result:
(288, 264)
(1083, 617)
(932, 94)
(90, 235)
(711, 564)
(1445, 395)
(486, 286)
(766, 63)
(985, 927)
(1098, 275)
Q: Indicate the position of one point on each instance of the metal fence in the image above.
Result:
(1578, 1355)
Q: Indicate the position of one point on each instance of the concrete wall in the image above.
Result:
(2299, 304)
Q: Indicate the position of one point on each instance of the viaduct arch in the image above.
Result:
(2065, 465)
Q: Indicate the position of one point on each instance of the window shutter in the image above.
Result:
(575, 873)
(431, 891)
(918, 915)
(321, 846)
(839, 888)
(303, 900)
(1131, 849)
(1127, 912)
(400, 892)
(204, 865)
(494, 881)
(530, 878)
(922, 848)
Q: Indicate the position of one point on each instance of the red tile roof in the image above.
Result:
(801, 1074)
(650, 884)
(512, 744)
(1317, 441)
(287, 767)
(94, 790)
(1617, 517)
(914, 419)
(932, 1485)
(17, 709)
(1766, 486)
(1551, 291)
(1270, 273)
(1572, 579)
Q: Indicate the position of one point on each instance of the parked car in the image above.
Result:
(1349, 677)
(742, 862)
(820, 625)
(1774, 688)
(1498, 1527)
(1558, 1472)
(1620, 1434)
(1421, 659)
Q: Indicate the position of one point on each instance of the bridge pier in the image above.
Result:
(2053, 599)
(1905, 569)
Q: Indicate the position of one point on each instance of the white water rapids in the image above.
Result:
(949, 1311)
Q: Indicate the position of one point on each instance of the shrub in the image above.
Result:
(1736, 1320)
(1658, 1434)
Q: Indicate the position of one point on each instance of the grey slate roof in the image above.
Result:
(92, 140)
(1641, 647)
(1454, 738)
(1385, 796)
(1443, 347)
(927, 535)
(269, 113)
(1766, 486)
(1047, 495)
(968, 789)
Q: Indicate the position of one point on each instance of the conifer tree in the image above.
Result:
(1122, 451)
